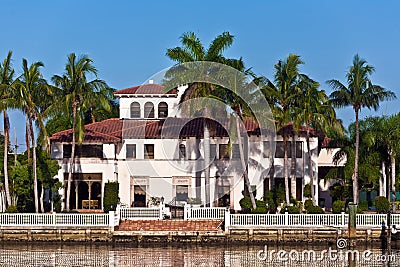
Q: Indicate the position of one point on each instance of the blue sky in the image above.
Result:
(127, 39)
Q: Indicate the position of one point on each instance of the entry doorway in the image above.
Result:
(86, 191)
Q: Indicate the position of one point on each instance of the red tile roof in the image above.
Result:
(107, 131)
(145, 89)
(113, 130)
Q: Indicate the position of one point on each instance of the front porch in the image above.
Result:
(86, 191)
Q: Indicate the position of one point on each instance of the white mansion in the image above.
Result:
(136, 151)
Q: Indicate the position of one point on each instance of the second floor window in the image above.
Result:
(131, 151)
(149, 110)
(83, 151)
(135, 110)
(162, 110)
(149, 151)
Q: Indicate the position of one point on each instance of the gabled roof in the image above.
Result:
(146, 89)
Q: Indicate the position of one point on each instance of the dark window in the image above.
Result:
(131, 151)
(235, 151)
(182, 192)
(279, 153)
(149, 110)
(213, 151)
(83, 151)
(279, 149)
(266, 149)
(182, 151)
(162, 110)
(135, 110)
(299, 149)
(223, 151)
(149, 151)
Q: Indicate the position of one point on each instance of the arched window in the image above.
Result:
(162, 110)
(135, 110)
(149, 110)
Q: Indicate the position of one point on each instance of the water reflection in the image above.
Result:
(55, 254)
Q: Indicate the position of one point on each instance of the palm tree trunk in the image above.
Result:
(285, 169)
(27, 141)
(244, 167)
(207, 165)
(293, 167)
(41, 199)
(71, 161)
(382, 182)
(355, 174)
(310, 167)
(393, 161)
(5, 162)
(35, 182)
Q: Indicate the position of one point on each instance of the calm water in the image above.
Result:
(22, 254)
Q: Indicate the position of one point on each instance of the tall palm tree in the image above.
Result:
(359, 93)
(193, 50)
(282, 94)
(32, 89)
(314, 110)
(6, 80)
(77, 95)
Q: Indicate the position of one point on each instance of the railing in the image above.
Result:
(141, 213)
(198, 213)
(308, 220)
(54, 219)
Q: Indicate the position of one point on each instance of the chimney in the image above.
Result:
(151, 81)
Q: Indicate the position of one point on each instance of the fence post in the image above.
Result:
(343, 219)
(111, 220)
(186, 211)
(227, 219)
(286, 218)
(53, 217)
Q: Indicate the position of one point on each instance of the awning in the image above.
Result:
(139, 190)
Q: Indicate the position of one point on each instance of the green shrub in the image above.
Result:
(337, 206)
(307, 190)
(307, 204)
(12, 209)
(293, 210)
(245, 203)
(315, 210)
(111, 192)
(382, 204)
(259, 210)
(69, 211)
(363, 205)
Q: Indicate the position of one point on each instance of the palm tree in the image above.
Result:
(282, 93)
(193, 50)
(360, 92)
(6, 80)
(314, 110)
(77, 95)
(31, 90)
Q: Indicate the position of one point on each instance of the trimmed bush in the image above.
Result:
(111, 192)
(307, 204)
(293, 210)
(363, 205)
(11, 209)
(245, 203)
(337, 206)
(259, 210)
(315, 210)
(382, 204)
(307, 190)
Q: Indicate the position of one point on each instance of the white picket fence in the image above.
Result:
(57, 219)
(205, 213)
(307, 220)
(141, 213)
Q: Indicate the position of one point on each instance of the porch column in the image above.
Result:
(90, 191)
